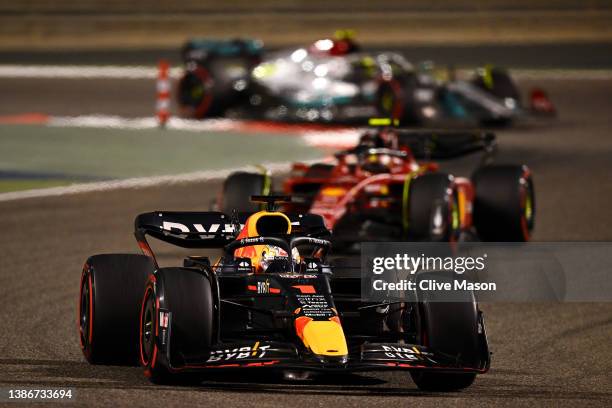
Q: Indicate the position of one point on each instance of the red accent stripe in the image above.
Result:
(144, 298)
(300, 323)
(233, 365)
(25, 119)
(90, 310)
(305, 289)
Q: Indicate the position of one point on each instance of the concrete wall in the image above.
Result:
(67, 24)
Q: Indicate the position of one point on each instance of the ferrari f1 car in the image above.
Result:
(333, 81)
(387, 188)
(271, 302)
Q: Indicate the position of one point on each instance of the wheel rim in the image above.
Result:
(390, 102)
(528, 211)
(454, 215)
(195, 92)
(527, 208)
(387, 101)
(84, 312)
(147, 335)
(455, 219)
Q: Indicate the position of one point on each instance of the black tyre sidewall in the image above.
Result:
(499, 203)
(450, 328)
(425, 191)
(207, 105)
(238, 189)
(114, 283)
(187, 295)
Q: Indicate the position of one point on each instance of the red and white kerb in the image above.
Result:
(163, 93)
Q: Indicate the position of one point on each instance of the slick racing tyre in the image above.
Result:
(109, 305)
(498, 82)
(238, 189)
(176, 309)
(504, 209)
(211, 88)
(391, 99)
(397, 99)
(196, 93)
(432, 208)
(450, 328)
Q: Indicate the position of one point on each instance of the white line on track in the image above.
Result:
(83, 71)
(137, 182)
(149, 122)
(150, 72)
(332, 138)
(317, 138)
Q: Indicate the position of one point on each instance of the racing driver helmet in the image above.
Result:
(267, 258)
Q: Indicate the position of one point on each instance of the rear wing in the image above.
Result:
(443, 144)
(187, 229)
(198, 49)
(209, 229)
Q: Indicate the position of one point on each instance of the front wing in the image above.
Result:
(369, 357)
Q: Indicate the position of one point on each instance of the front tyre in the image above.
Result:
(450, 328)
(428, 381)
(176, 321)
(431, 212)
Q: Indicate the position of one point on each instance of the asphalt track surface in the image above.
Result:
(544, 354)
(563, 55)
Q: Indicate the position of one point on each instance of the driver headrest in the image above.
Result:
(266, 223)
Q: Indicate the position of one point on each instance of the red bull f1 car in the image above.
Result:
(388, 188)
(272, 301)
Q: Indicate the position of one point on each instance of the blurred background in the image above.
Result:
(69, 27)
(81, 153)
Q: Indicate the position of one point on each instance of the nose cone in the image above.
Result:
(325, 338)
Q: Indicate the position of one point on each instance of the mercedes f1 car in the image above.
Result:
(387, 188)
(333, 81)
(271, 302)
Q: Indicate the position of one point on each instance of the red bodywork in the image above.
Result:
(351, 187)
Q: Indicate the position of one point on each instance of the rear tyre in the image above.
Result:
(238, 189)
(109, 301)
(504, 209)
(196, 94)
(433, 211)
(498, 82)
(450, 328)
(391, 99)
(187, 296)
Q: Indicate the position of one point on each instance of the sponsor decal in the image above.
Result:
(296, 276)
(263, 288)
(164, 323)
(314, 305)
(163, 319)
(239, 353)
(252, 240)
(401, 353)
(244, 265)
(176, 227)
